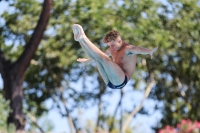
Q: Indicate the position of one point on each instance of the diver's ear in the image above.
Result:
(120, 41)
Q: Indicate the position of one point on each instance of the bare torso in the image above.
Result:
(125, 60)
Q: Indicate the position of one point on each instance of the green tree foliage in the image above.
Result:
(173, 27)
(12, 71)
(54, 66)
(177, 64)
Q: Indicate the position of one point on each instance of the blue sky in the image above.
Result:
(142, 122)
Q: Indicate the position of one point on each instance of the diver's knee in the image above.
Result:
(104, 59)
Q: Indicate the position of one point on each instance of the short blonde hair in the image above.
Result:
(111, 36)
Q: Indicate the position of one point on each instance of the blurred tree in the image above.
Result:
(53, 69)
(173, 27)
(13, 67)
(178, 63)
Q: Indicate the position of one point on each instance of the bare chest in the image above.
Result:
(126, 62)
(119, 57)
(122, 59)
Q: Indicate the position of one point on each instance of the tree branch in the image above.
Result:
(2, 60)
(116, 109)
(133, 113)
(67, 114)
(34, 121)
(180, 87)
(24, 60)
(102, 88)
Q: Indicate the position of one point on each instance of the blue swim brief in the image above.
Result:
(118, 86)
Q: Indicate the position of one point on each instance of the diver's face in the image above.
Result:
(115, 45)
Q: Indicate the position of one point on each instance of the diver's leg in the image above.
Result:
(87, 51)
(102, 72)
(80, 36)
